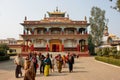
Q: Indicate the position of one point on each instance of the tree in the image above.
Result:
(117, 5)
(3, 49)
(91, 46)
(97, 24)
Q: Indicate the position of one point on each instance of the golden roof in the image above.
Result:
(112, 35)
(56, 12)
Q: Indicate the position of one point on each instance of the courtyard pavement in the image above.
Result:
(85, 68)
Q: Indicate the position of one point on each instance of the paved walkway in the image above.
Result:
(85, 68)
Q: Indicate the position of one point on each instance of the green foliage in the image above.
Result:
(3, 58)
(2, 52)
(111, 54)
(97, 23)
(108, 60)
(118, 4)
(108, 52)
(99, 52)
(113, 51)
(3, 49)
(117, 56)
(105, 51)
(91, 46)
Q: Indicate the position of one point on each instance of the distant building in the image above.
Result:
(110, 40)
(8, 41)
(13, 44)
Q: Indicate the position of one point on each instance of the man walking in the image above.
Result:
(19, 61)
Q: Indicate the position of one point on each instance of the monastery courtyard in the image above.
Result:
(85, 68)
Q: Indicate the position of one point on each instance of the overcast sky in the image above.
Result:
(12, 13)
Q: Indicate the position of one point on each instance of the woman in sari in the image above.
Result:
(30, 73)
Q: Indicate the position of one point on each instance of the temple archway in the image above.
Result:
(55, 45)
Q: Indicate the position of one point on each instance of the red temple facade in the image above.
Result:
(56, 32)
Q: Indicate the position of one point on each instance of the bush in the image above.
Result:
(3, 58)
(99, 51)
(2, 52)
(108, 60)
(111, 54)
(105, 51)
(117, 56)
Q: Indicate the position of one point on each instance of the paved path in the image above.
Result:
(85, 68)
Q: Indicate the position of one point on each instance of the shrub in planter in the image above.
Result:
(99, 52)
(114, 51)
(111, 54)
(105, 52)
(117, 56)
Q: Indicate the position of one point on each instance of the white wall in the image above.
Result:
(69, 43)
(118, 47)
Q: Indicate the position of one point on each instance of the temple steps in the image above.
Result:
(81, 54)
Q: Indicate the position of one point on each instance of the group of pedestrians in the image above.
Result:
(45, 63)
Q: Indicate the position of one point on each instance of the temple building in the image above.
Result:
(56, 32)
(110, 40)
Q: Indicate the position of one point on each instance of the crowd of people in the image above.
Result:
(45, 63)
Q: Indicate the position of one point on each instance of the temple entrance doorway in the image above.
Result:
(55, 45)
(55, 48)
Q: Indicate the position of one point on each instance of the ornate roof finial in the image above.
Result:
(44, 15)
(85, 18)
(57, 9)
(25, 18)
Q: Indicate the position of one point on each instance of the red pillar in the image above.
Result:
(32, 32)
(57, 48)
(32, 47)
(23, 48)
(78, 47)
(47, 47)
(27, 46)
(62, 32)
(86, 47)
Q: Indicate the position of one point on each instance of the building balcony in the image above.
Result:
(54, 36)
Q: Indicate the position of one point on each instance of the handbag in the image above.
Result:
(37, 65)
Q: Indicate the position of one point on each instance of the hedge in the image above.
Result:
(3, 58)
(108, 60)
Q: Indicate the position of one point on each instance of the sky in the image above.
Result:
(12, 13)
